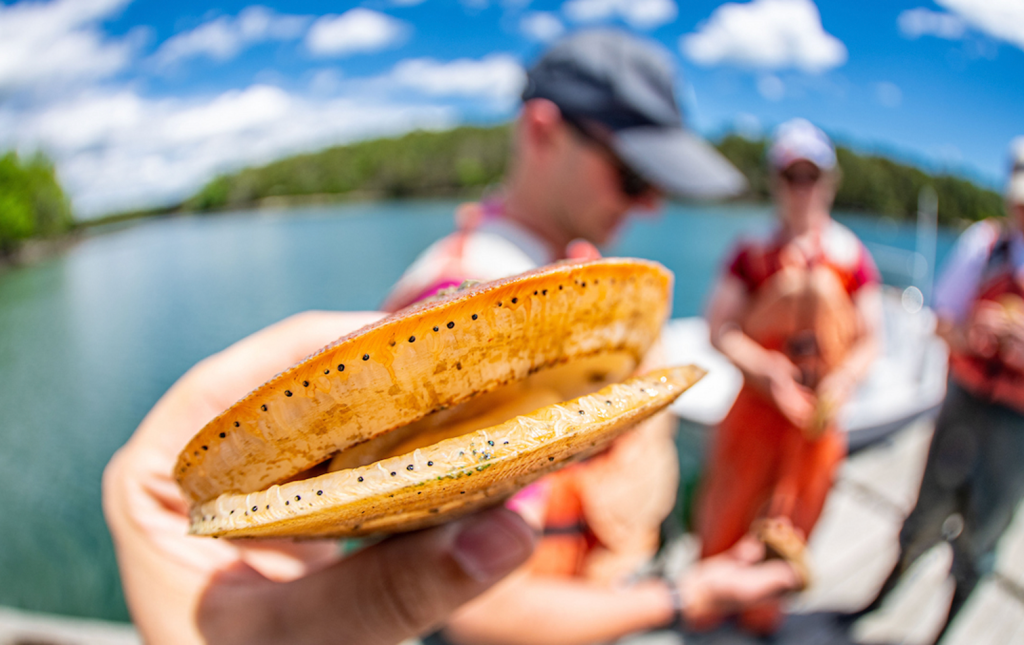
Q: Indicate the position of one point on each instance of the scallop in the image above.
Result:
(440, 409)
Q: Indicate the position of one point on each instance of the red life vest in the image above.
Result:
(807, 314)
(802, 304)
(989, 377)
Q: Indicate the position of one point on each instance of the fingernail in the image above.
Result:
(529, 505)
(492, 544)
(582, 250)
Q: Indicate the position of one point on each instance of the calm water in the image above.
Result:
(90, 340)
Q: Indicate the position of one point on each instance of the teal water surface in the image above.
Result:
(91, 339)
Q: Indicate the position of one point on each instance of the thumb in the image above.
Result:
(582, 250)
(399, 588)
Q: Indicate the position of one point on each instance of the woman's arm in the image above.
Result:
(532, 610)
(769, 371)
(535, 610)
(838, 385)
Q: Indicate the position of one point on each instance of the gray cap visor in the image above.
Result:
(678, 162)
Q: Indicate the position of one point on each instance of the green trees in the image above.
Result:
(418, 163)
(470, 158)
(875, 184)
(32, 203)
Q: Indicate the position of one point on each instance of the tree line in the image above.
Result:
(874, 184)
(467, 159)
(416, 164)
(459, 162)
(32, 202)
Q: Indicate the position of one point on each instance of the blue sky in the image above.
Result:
(141, 102)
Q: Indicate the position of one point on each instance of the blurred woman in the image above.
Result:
(798, 314)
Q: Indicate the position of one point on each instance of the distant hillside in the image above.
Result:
(467, 159)
(875, 184)
(417, 164)
(32, 203)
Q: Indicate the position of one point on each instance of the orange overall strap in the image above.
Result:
(566, 540)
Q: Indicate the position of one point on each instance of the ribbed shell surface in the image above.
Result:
(447, 479)
(423, 359)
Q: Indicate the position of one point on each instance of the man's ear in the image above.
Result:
(541, 123)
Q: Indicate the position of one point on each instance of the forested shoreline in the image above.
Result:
(874, 184)
(417, 164)
(461, 162)
(466, 160)
(33, 205)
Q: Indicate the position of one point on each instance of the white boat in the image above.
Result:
(907, 380)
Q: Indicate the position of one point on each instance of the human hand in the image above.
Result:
(1012, 349)
(796, 402)
(580, 250)
(988, 324)
(184, 589)
(732, 581)
(833, 392)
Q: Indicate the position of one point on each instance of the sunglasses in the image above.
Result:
(800, 178)
(631, 184)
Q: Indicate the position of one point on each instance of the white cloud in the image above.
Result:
(223, 38)
(1001, 19)
(914, 23)
(640, 14)
(356, 30)
(765, 34)
(541, 25)
(58, 42)
(118, 150)
(498, 77)
(888, 94)
(229, 114)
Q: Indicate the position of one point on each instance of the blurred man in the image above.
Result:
(797, 313)
(974, 475)
(599, 134)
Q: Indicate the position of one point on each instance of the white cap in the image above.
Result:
(1015, 186)
(800, 140)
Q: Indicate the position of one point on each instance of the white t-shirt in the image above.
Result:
(496, 248)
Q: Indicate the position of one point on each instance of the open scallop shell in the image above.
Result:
(568, 328)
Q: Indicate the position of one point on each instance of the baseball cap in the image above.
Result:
(799, 140)
(1015, 186)
(626, 84)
